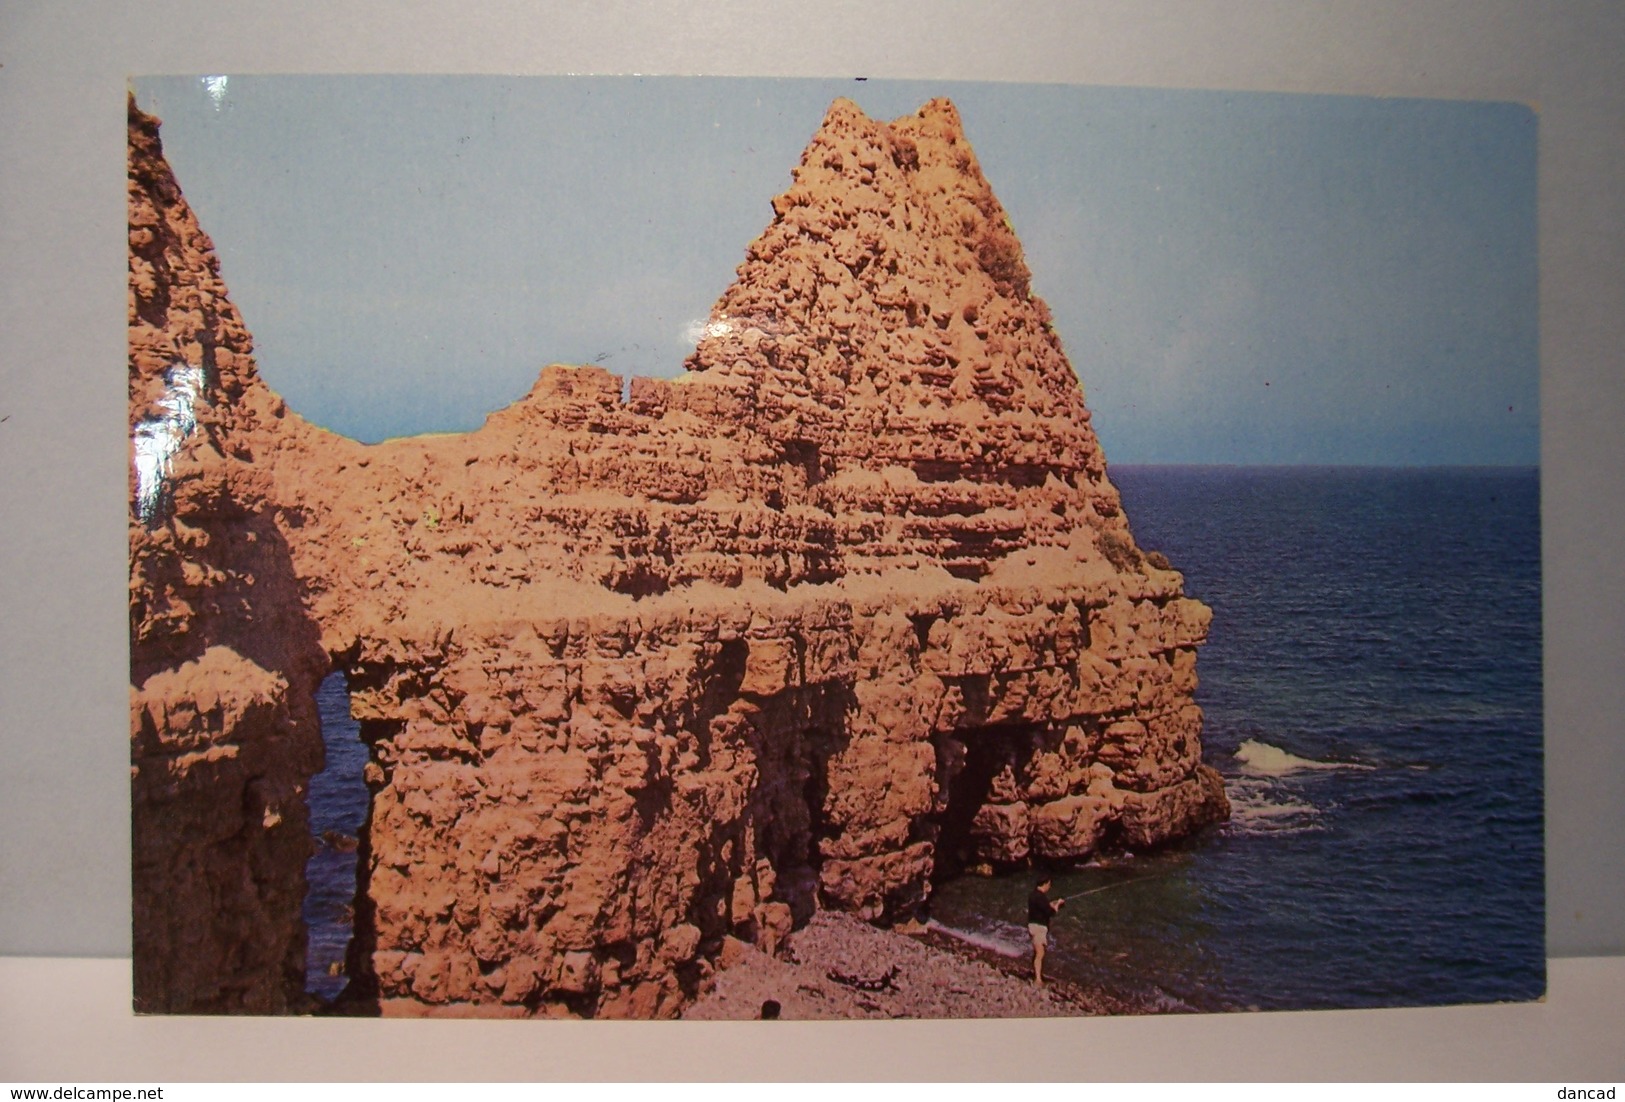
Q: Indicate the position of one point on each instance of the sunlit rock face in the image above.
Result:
(846, 607)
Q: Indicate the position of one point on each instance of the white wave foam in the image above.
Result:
(1263, 760)
(1267, 811)
(1258, 808)
(1285, 818)
(1004, 940)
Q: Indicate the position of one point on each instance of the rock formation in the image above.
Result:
(848, 605)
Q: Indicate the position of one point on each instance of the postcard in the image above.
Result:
(654, 547)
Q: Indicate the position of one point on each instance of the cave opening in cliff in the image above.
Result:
(791, 808)
(970, 764)
(339, 807)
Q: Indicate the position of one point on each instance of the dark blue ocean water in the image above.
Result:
(338, 807)
(1372, 689)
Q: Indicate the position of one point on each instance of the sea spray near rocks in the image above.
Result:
(1262, 798)
(1263, 759)
(645, 668)
(1259, 807)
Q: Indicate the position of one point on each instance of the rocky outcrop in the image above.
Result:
(848, 605)
(224, 658)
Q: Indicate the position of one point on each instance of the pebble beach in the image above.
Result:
(838, 967)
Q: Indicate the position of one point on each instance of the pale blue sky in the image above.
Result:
(1237, 278)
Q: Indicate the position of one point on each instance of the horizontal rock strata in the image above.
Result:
(848, 605)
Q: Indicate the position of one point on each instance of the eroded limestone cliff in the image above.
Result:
(848, 605)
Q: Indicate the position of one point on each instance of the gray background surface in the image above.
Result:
(64, 835)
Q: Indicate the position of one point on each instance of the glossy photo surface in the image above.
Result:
(642, 548)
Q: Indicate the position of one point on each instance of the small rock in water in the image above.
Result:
(340, 843)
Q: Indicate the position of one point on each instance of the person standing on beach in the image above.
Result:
(1040, 909)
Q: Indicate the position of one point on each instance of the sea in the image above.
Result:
(1371, 687)
(338, 810)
